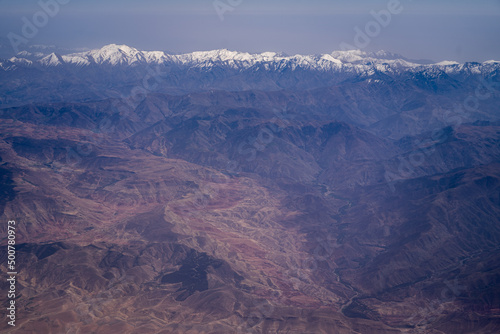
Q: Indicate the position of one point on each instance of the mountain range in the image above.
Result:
(228, 192)
(219, 70)
(124, 55)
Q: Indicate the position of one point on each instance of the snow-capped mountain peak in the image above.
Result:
(52, 60)
(114, 54)
(354, 61)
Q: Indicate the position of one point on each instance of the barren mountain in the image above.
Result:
(341, 193)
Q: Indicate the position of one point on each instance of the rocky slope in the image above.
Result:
(366, 203)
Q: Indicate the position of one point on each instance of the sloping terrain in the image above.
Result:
(364, 206)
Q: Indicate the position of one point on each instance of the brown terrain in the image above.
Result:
(213, 213)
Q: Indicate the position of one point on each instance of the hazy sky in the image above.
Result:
(431, 29)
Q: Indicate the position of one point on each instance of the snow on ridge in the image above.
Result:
(331, 59)
(51, 60)
(22, 61)
(24, 54)
(76, 60)
(353, 60)
(122, 54)
(115, 54)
